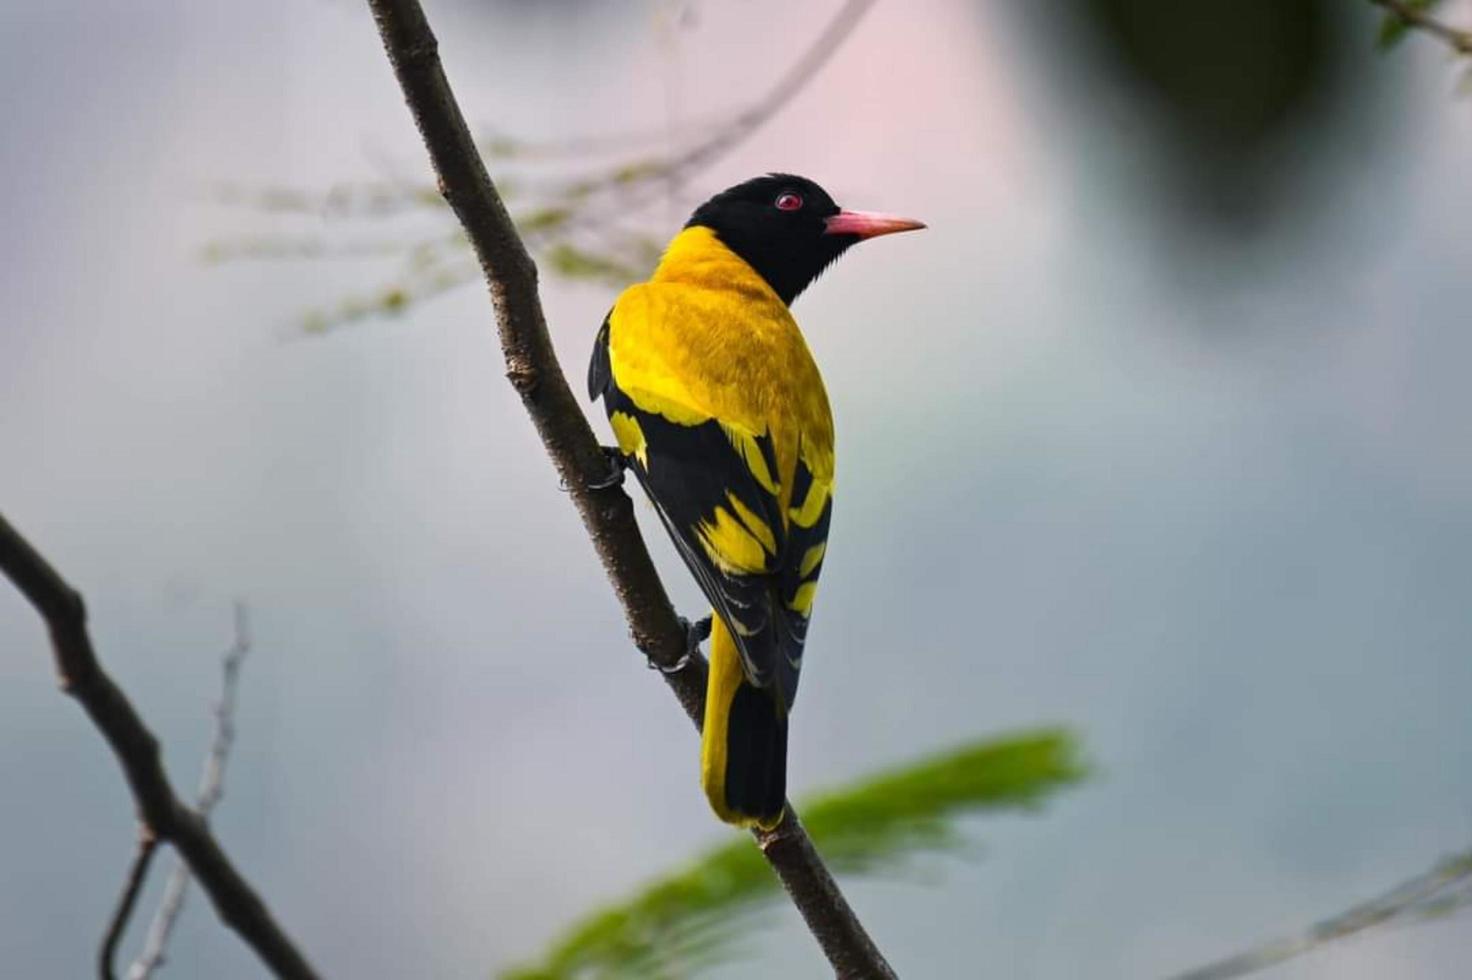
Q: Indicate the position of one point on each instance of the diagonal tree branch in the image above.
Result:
(1413, 15)
(608, 514)
(162, 814)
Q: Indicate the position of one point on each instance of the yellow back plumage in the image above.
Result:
(707, 338)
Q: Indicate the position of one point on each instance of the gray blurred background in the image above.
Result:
(1161, 431)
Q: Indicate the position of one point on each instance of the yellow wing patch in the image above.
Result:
(802, 600)
(751, 454)
(811, 558)
(808, 512)
(754, 524)
(733, 548)
(630, 436)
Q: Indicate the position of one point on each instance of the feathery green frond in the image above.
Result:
(689, 920)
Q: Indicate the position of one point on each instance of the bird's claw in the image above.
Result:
(617, 465)
(695, 634)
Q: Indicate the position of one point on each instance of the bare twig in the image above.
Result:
(1444, 889)
(607, 514)
(793, 81)
(704, 142)
(211, 791)
(1458, 39)
(679, 167)
(658, 177)
(118, 923)
(159, 809)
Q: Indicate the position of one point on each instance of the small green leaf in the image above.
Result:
(641, 170)
(572, 262)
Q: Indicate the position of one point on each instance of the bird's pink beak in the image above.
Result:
(869, 224)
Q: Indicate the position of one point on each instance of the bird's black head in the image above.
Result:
(788, 229)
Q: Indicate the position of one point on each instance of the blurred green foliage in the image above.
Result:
(1238, 111)
(1233, 71)
(682, 923)
(1393, 28)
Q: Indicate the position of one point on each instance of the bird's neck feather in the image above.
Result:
(697, 257)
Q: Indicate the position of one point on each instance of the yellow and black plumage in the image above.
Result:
(720, 411)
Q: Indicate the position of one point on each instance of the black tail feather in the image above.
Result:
(756, 754)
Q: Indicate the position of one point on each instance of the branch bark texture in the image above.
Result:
(608, 514)
(163, 816)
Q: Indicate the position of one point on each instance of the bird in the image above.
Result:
(718, 408)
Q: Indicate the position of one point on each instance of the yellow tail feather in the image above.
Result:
(727, 680)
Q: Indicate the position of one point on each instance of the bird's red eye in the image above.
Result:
(788, 201)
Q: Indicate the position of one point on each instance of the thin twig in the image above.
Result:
(1459, 40)
(793, 81)
(117, 924)
(608, 514)
(137, 751)
(704, 142)
(211, 791)
(663, 175)
(1444, 889)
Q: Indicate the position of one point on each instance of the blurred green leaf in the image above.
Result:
(572, 262)
(639, 170)
(1393, 27)
(682, 923)
(543, 219)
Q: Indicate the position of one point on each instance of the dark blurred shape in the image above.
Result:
(1234, 101)
(1230, 71)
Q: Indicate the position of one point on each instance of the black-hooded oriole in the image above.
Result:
(719, 410)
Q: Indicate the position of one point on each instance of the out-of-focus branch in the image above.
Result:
(608, 514)
(1416, 16)
(659, 174)
(211, 791)
(118, 923)
(160, 811)
(716, 134)
(793, 81)
(1444, 889)
(575, 221)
